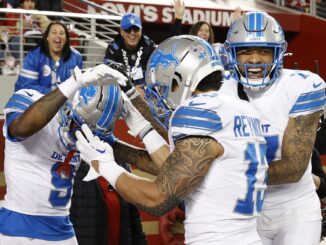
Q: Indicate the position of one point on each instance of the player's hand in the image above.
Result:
(126, 87)
(92, 148)
(98, 75)
(137, 124)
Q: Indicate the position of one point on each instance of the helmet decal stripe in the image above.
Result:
(110, 107)
(255, 24)
(259, 24)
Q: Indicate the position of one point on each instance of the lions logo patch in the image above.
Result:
(87, 94)
(46, 70)
(164, 59)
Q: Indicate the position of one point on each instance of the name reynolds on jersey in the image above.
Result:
(245, 126)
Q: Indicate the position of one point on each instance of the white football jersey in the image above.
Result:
(38, 181)
(294, 94)
(227, 201)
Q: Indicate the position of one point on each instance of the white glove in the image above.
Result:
(98, 75)
(137, 124)
(92, 148)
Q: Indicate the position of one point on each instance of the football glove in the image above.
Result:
(137, 124)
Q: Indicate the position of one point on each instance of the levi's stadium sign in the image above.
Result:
(165, 14)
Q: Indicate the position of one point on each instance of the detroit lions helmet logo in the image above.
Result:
(87, 94)
(159, 57)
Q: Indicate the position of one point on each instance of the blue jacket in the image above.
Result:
(41, 73)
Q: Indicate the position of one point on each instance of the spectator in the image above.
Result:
(13, 3)
(100, 216)
(320, 143)
(3, 30)
(318, 174)
(131, 48)
(201, 29)
(50, 5)
(51, 62)
(33, 26)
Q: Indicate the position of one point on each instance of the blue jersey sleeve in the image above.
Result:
(309, 96)
(16, 105)
(19, 102)
(29, 75)
(189, 120)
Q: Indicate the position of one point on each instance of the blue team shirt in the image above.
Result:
(41, 73)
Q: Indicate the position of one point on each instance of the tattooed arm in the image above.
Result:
(37, 115)
(140, 103)
(182, 171)
(297, 145)
(139, 157)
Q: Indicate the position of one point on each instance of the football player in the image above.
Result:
(40, 157)
(290, 103)
(217, 163)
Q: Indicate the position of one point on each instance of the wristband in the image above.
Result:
(111, 171)
(69, 87)
(132, 93)
(145, 131)
(153, 141)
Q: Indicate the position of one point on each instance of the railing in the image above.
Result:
(89, 34)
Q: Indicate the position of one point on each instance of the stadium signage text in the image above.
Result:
(165, 14)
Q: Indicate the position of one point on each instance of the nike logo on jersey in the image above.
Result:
(100, 151)
(195, 104)
(29, 94)
(317, 85)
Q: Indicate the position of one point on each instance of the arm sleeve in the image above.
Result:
(29, 76)
(80, 62)
(108, 54)
(175, 28)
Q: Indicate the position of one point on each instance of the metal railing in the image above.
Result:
(89, 34)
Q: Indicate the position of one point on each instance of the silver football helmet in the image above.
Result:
(174, 70)
(256, 29)
(97, 106)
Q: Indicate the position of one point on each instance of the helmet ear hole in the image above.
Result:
(174, 85)
(175, 81)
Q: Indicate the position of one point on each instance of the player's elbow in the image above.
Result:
(296, 178)
(161, 207)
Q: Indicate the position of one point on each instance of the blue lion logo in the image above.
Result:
(164, 59)
(87, 94)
